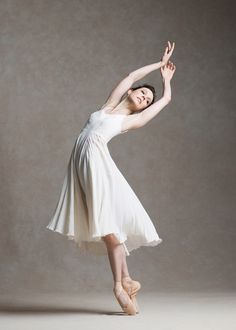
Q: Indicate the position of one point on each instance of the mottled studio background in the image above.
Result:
(58, 63)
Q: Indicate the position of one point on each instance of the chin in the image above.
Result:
(137, 110)
(133, 105)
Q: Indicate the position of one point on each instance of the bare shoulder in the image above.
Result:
(106, 105)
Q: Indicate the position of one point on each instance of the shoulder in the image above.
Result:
(107, 105)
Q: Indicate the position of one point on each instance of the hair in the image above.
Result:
(149, 87)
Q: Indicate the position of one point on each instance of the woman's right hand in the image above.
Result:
(168, 70)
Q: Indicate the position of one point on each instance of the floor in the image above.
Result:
(162, 311)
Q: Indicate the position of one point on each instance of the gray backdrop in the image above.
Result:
(59, 61)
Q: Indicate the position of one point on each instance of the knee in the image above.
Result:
(111, 239)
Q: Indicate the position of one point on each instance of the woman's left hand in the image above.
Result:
(168, 70)
(168, 52)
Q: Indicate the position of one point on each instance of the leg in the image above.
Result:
(116, 255)
(117, 258)
(125, 271)
(129, 285)
(115, 252)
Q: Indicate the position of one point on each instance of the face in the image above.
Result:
(140, 98)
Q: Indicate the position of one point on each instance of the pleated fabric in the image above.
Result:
(96, 199)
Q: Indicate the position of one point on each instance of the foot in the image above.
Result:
(131, 287)
(124, 300)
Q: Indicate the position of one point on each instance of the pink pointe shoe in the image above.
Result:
(124, 300)
(132, 287)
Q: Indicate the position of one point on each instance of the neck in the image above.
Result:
(124, 107)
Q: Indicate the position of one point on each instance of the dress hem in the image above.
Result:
(83, 245)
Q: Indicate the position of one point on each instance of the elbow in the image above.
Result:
(133, 77)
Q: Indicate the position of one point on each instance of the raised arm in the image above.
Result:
(149, 113)
(117, 93)
(142, 118)
(142, 72)
(125, 84)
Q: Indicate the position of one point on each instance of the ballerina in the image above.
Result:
(97, 208)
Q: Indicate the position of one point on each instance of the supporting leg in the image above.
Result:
(125, 271)
(116, 255)
(115, 252)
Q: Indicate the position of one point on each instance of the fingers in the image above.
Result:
(171, 48)
(171, 65)
(166, 50)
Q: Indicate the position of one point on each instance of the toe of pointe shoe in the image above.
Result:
(128, 307)
(134, 301)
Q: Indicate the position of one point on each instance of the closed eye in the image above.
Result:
(149, 97)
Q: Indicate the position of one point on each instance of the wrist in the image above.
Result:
(162, 62)
(166, 80)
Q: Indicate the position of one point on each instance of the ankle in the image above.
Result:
(126, 279)
(117, 285)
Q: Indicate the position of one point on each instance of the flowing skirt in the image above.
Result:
(97, 200)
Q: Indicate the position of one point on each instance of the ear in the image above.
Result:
(130, 91)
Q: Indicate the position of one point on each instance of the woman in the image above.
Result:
(97, 207)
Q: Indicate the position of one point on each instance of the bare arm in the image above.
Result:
(142, 72)
(125, 84)
(142, 118)
(117, 93)
(149, 113)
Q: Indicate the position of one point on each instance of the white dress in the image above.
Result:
(95, 198)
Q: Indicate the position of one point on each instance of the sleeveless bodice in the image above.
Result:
(103, 124)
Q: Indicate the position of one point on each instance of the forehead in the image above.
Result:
(148, 91)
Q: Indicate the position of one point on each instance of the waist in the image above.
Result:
(88, 135)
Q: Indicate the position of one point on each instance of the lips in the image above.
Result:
(139, 99)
